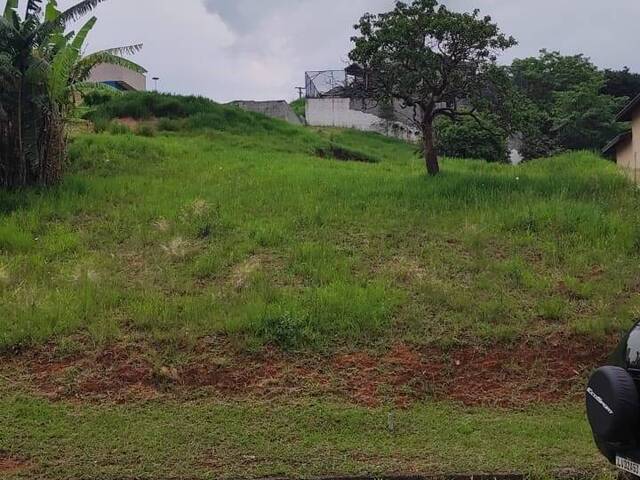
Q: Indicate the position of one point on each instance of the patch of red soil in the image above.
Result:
(10, 464)
(548, 372)
(527, 373)
(118, 373)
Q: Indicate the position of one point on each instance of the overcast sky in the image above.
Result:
(260, 49)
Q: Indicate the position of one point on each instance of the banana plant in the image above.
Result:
(41, 66)
(70, 69)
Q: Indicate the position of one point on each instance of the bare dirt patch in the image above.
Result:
(528, 373)
(242, 273)
(10, 464)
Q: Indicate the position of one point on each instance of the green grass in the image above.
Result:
(202, 232)
(207, 440)
(213, 221)
(299, 106)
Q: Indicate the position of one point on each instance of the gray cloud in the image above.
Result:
(243, 15)
(259, 49)
(601, 30)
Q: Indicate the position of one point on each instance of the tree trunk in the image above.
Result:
(430, 154)
(22, 168)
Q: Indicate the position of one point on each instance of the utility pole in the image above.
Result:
(300, 91)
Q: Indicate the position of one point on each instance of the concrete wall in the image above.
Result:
(628, 150)
(358, 114)
(274, 109)
(128, 79)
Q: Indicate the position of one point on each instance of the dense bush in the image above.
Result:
(170, 124)
(536, 144)
(146, 130)
(98, 96)
(145, 105)
(117, 128)
(466, 138)
(176, 112)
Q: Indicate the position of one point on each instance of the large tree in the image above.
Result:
(621, 83)
(541, 77)
(428, 59)
(566, 106)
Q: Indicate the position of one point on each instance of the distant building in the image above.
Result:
(271, 108)
(625, 148)
(118, 77)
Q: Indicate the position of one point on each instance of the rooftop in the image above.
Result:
(609, 147)
(627, 112)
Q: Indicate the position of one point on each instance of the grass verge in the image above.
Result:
(207, 440)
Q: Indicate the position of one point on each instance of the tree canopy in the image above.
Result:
(429, 59)
(566, 104)
(621, 83)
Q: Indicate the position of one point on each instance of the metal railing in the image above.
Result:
(325, 83)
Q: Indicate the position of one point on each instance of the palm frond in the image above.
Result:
(122, 51)
(6, 27)
(78, 41)
(64, 62)
(51, 12)
(83, 68)
(37, 70)
(61, 65)
(57, 38)
(10, 8)
(32, 19)
(78, 10)
(34, 8)
(7, 69)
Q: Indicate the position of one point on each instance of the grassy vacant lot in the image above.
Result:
(259, 306)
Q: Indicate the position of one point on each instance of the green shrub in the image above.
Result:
(283, 329)
(465, 138)
(178, 112)
(536, 144)
(145, 105)
(117, 128)
(146, 130)
(98, 96)
(300, 107)
(101, 125)
(170, 125)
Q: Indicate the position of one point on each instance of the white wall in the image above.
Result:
(337, 112)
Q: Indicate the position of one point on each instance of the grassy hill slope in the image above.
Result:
(186, 235)
(205, 255)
